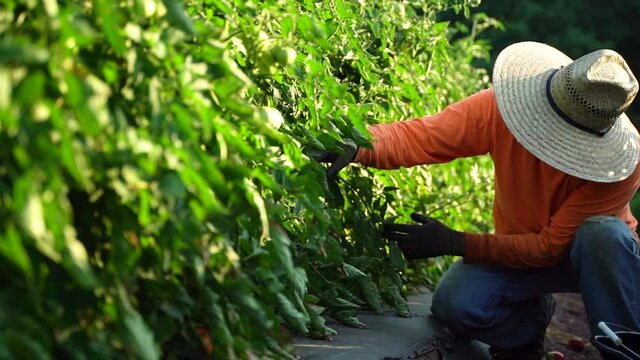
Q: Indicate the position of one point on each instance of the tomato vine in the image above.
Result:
(158, 194)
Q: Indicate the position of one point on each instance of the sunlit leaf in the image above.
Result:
(12, 248)
(78, 260)
(33, 221)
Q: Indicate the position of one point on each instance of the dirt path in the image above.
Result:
(570, 322)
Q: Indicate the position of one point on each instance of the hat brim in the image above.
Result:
(519, 79)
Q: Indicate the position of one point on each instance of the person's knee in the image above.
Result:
(441, 306)
(457, 309)
(603, 236)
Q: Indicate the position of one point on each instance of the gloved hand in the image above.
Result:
(428, 239)
(338, 160)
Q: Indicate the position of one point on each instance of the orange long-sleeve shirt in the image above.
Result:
(537, 208)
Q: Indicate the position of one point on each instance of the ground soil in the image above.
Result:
(570, 322)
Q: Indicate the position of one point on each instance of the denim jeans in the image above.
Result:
(507, 307)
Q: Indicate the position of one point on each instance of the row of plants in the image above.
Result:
(158, 193)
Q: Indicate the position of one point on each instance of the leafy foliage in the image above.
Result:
(157, 194)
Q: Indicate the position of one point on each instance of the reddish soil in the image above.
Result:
(570, 322)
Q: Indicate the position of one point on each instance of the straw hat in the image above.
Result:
(569, 114)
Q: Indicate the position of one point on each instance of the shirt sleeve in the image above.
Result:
(460, 130)
(550, 246)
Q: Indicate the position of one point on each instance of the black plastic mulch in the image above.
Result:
(390, 337)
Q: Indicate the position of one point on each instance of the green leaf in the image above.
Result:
(22, 346)
(140, 337)
(366, 263)
(395, 257)
(77, 260)
(109, 17)
(144, 216)
(335, 199)
(223, 5)
(312, 141)
(280, 244)
(299, 281)
(198, 186)
(397, 301)
(317, 324)
(296, 319)
(177, 16)
(249, 304)
(334, 252)
(349, 318)
(163, 327)
(6, 88)
(218, 319)
(342, 304)
(33, 221)
(352, 272)
(12, 53)
(346, 292)
(32, 88)
(184, 122)
(371, 294)
(73, 160)
(367, 236)
(172, 186)
(12, 248)
(258, 202)
(76, 91)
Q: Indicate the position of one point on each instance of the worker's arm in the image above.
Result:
(463, 129)
(550, 246)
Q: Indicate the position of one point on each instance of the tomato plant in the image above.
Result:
(158, 195)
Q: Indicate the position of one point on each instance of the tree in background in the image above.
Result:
(576, 27)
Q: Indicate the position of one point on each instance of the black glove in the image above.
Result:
(428, 239)
(338, 160)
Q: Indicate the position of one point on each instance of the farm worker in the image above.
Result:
(565, 158)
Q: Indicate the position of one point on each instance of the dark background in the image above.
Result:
(575, 27)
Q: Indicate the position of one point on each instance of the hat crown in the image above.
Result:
(523, 77)
(595, 89)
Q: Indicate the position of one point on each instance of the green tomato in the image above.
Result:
(266, 64)
(271, 116)
(284, 55)
(266, 67)
(263, 42)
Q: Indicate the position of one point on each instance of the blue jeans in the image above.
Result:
(507, 307)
